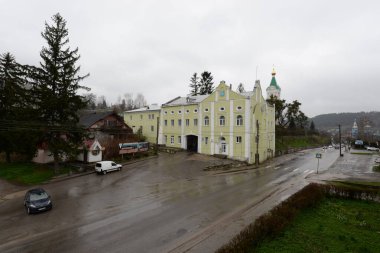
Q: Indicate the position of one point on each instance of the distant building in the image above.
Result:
(354, 130)
(145, 120)
(273, 88)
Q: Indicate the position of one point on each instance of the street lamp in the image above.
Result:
(340, 143)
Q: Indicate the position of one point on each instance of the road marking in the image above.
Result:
(267, 167)
(306, 171)
(295, 169)
(287, 168)
(276, 168)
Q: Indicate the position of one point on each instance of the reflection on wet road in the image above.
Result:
(147, 206)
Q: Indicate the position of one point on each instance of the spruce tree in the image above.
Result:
(13, 107)
(240, 88)
(194, 84)
(206, 83)
(55, 88)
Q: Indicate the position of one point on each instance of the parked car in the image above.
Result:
(372, 149)
(37, 200)
(105, 166)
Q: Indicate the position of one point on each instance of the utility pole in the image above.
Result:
(257, 156)
(340, 143)
(157, 128)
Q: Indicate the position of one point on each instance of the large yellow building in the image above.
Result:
(145, 119)
(238, 125)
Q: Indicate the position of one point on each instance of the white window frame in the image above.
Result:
(239, 120)
(206, 120)
(172, 139)
(238, 139)
(222, 121)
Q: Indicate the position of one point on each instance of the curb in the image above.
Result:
(63, 178)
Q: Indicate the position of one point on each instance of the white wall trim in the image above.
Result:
(247, 127)
(200, 128)
(212, 139)
(232, 123)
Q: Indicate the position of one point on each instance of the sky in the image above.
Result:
(326, 53)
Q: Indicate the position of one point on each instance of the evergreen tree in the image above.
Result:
(55, 88)
(194, 84)
(16, 135)
(206, 83)
(312, 126)
(240, 88)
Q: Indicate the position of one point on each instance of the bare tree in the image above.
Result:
(128, 97)
(139, 101)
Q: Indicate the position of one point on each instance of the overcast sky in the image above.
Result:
(326, 52)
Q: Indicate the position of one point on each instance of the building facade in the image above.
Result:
(145, 120)
(240, 126)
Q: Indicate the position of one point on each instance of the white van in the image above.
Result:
(106, 166)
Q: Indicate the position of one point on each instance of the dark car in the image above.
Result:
(37, 200)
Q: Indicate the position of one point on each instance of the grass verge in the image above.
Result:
(335, 225)
(28, 173)
(271, 225)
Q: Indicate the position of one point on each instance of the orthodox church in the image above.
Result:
(273, 88)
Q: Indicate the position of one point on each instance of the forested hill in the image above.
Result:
(346, 119)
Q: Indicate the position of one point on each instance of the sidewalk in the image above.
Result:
(10, 191)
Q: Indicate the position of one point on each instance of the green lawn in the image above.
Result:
(336, 225)
(286, 142)
(27, 173)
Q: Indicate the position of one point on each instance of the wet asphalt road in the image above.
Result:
(147, 207)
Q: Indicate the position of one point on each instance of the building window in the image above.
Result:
(172, 122)
(166, 112)
(172, 139)
(238, 139)
(172, 112)
(149, 116)
(206, 110)
(180, 112)
(179, 139)
(187, 122)
(206, 140)
(195, 122)
(207, 121)
(152, 128)
(195, 110)
(165, 139)
(221, 108)
(187, 111)
(239, 108)
(96, 151)
(152, 116)
(222, 121)
(239, 120)
(166, 122)
(179, 122)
